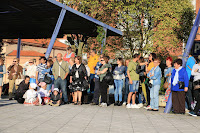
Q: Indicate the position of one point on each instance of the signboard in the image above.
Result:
(196, 48)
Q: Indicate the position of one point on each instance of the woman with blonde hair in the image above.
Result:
(2, 72)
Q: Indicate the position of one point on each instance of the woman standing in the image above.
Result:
(15, 71)
(78, 75)
(48, 71)
(2, 72)
(119, 81)
(168, 74)
(155, 76)
(180, 82)
(126, 91)
(71, 93)
(103, 85)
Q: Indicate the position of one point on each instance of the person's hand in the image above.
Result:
(14, 74)
(49, 91)
(131, 82)
(196, 70)
(146, 63)
(46, 73)
(85, 77)
(151, 75)
(169, 74)
(37, 81)
(70, 81)
(186, 89)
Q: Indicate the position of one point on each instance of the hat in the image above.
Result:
(42, 84)
(56, 89)
(33, 85)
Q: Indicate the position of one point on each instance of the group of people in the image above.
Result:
(69, 78)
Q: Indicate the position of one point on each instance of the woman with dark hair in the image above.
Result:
(179, 85)
(119, 80)
(68, 55)
(48, 72)
(103, 85)
(168, 74)
(78, 74)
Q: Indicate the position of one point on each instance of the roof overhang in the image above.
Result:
(37, 19)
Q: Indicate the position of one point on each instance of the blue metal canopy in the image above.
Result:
(37, 19)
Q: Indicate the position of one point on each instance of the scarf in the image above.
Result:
(176, 78)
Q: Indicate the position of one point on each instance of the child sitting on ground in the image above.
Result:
(44, 94)
(31, 96)
(55, 98)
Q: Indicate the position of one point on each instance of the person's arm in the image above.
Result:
(10, 67)
(195, 71)
(84, 71)
(157, 73)
(129, 77)
(4, 70)
(53, 70)
(186, 81)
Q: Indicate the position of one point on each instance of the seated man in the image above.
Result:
(23, 87)
(55, 98)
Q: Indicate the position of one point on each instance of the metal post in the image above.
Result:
(104, 39)
(191, 38)
(55, 33)
(18, 48)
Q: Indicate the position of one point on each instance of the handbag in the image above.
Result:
(19, 80)
(138, 69)
(181, 85)
(47, 79)
(85, 84)
(166, 85)
(196, 85)
(109, 78)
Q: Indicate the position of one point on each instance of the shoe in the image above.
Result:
(148, 107)
(187, 111)
(124, 104)
(120, 104)
(155, 110)
(79, 103)
(93, 103)
(128, 106)
(103, 105)
(135, 106)
(192, 113)
(10, 99)
(140, 105)
(116, 103)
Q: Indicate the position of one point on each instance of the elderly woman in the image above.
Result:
(179, 85)
(168, 74)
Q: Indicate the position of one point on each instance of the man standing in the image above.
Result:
(60, 71)
(189, 65)
(40, 68)
(133, 81)
(92, 61)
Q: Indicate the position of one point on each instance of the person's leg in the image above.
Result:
(148, 94)
(135, 88)
(120, 86)
(11, 86)
(181, 99)
(189, 95)
(79, 96)
(116, 90)
(75, 97)
(92, 84)
(56, 83)
(126, 90)
(152, 97)
(197, 98)
(64, 89)
(103, 88)
(49, 87)
(156, 97)
(0, 91)
(130, 94)
(96, 91)
(175, 102)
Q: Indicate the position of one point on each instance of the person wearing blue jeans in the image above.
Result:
(126, 89)
(155, 80)
(118, 80)
(62, 84)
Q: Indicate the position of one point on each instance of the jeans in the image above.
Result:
(62, 84)
(118, 89)
(96, 91)
(49, 86)
(103, 90)
(126, 89)
(189, 96)
(92, 76)
(134, 87)
(197, 98)
(154, 95)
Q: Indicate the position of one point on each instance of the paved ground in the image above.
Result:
(91, 119)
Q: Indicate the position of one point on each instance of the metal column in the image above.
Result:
(104, 39)
(191, 38)
(18, 48)
(55, 33)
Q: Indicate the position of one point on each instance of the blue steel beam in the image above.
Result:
(86, 17)
(104, 39)
(18, 47)
(191, 38)
(55, 33)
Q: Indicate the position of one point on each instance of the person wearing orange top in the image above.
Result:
(69, 54)
(92, 62)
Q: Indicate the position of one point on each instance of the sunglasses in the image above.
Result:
(102, 60)
(14, 61)
(30, 62)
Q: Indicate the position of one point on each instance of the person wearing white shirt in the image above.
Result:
(31, 69)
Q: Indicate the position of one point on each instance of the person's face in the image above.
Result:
(30, 62)
(176, 66)
(92, 52)
(48, 64)
(118, 62)
(156, 63)
(102, 61)
(44, 87)
(27, 80)
(168, 62)
(76, 61)
(42, 61)
(69, 51)
(150, 57)
(55, 93)
(127, 62)
(15, 62)
(59, 57)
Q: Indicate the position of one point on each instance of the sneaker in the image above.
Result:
(140, 105)
(135, 106)
(120, 104)
(187, 111)
(124, 104)
(128, 106)
(103, 104)
(192, 113)
(116, 103)
(148, 107)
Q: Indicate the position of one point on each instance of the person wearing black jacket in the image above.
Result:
(78, 76)
(23, 87)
